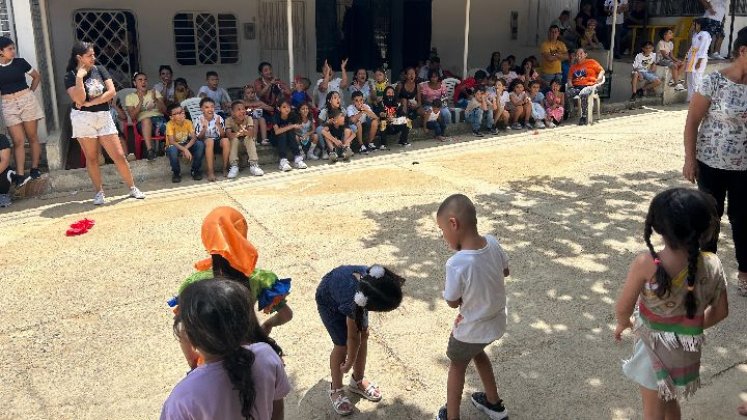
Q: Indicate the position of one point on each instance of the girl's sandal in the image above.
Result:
(340, 401)
(369, 393)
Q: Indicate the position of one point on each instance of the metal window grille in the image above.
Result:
(668, 8)
(205, 38)
(6, 20)
(114, 34)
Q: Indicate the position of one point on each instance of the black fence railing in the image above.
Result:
(663, 8)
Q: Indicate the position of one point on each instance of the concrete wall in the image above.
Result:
(156, 37)
(490, 28)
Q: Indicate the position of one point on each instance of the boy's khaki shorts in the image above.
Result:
(459, 351)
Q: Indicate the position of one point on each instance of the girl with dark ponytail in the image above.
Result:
(679, 292)
(343, 298)
(243, 375)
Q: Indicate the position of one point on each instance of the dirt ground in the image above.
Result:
(86, 333)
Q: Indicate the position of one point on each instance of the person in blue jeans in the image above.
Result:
(181, 139)
(436, 119)
(476, 109)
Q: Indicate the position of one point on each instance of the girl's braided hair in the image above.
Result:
(685, 218)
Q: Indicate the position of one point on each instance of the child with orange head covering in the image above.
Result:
(224, 235)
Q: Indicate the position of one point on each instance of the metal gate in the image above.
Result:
(273, 36)
(114, 33)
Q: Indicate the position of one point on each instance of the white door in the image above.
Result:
(273, 36)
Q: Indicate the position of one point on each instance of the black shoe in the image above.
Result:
(197, 176)
(21, 180)
(494, 411)
(633, 97)
(151, 155)
(35, 173)
(639, 93)
(441, 413)
(582, 121)
(477, 133)
(176, 178)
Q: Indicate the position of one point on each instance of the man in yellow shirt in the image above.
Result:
(553, 52)
(180, 138)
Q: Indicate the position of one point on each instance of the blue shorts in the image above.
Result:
(714, 27)
(648, 76)
(335, 323)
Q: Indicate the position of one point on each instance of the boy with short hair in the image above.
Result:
(300, 93)
(697, 57)
(361, 118)
(476, 109)
(644, 70)
(181, 139)
(219, 95)
(337, 136)
(240, 129)
(210, 128)
(474, 284)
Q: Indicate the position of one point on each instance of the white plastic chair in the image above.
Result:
(450, 84)
(593, 99)
(473, 71)
(192, 105)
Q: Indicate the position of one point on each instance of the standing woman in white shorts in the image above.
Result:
(91, 88)
(21, 110)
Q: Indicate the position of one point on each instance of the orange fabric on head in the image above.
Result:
(224, 233)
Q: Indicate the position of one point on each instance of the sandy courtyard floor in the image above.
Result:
(86, 333)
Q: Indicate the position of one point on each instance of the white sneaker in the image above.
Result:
(284, 165)
(298, 163)
(98, 200)
(383, 147)
(363, 149)
(347, 153)
(371, 147)
(679, 87)
(551, 125)
(255, 170)
(717, 56)
(540, 125)
(233, 172)
(311, 155)
(325, 155)
(136, 193)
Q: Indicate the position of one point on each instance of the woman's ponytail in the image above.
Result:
(238, 366)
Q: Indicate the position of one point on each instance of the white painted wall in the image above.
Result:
(156, 38)
(490, 28)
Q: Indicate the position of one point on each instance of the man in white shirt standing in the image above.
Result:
(715, 13)
(697, 56)
(622, 7)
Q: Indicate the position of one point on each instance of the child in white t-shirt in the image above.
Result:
(330, 83)
(644, 71)
(217, 94)
(475, 285)
(667, 58)
(697, 57)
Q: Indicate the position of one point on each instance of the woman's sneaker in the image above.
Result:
(4, 200)
(255, 170)
(284, 165)
(35, 173)
(99, 198)
(311, 155)
(135, 193)
(494, 411)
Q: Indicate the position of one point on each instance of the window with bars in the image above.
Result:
(6, 22)
(206, 38)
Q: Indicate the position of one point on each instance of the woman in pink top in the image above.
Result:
(430, 91)
(243, 376)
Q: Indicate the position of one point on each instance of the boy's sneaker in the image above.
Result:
(151, 155)
(196, 175)
(99, 198)
(383, 147)
(371, 147)
(540, 124)
(4, 200)
(284, 165)
(494, 411)
(679, 87)
(582, 121)
(233, 172)
(35, 173)
(516, 126)
(363, 149)
(312, 156)
(255, 170)
(298, 163)
(477, 133)
(176, 178)
(441, 415)
(347, 153)
(332, 157)
(136, 193)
